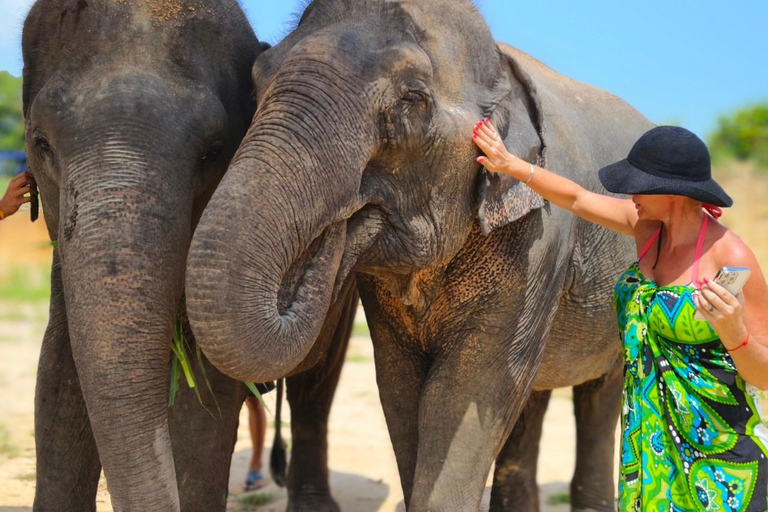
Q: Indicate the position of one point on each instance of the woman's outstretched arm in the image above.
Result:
(615, 214)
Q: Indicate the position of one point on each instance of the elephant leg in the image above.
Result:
(68, 464)
(400, 378)
(514, 480)
(203, 440)
(310, 394)
(597, 405)
(463, 424)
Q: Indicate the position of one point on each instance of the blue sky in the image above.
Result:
(674, 60)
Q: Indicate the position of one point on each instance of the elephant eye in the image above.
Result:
(412, 97)
(214, 151)
(40, 142)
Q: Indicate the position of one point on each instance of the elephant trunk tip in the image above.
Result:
(253, 323)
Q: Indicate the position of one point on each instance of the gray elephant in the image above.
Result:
(134, 110)
(478, 294)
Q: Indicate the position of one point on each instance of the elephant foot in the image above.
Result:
(322, 503)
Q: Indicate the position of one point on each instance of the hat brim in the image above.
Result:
(624, 178)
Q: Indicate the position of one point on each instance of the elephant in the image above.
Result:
(480, 296)
(133, 112)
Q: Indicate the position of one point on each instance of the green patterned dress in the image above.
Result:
(692, 435)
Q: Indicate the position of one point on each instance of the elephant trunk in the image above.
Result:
(265, 258)
(123, 239)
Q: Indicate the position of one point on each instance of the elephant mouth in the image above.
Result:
(363, 230)
(315, 261)
(358, 233)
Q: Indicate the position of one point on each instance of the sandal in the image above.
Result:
(254, 480)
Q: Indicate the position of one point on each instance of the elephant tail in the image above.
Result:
(278, 462)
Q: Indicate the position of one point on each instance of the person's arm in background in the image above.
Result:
(610, 212)
(21, 189)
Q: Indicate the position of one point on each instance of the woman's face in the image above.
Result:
(656, 207)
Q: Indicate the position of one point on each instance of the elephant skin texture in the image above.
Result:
(133, 112)
(480, 296)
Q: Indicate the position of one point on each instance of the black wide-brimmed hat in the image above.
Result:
(666, 160)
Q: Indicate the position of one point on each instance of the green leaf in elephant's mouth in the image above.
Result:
(181, 355)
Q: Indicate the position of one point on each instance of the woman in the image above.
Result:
(692, 436)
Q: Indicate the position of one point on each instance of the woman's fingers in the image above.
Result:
(714, 299)
(485, 163)
(721, 292)
(703, 305)
(488, 164)
(488, 131)
(496, 157)
(487, 128)
(491, 155)
(482, 135)
(481, 143)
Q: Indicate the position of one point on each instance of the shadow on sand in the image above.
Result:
(552, 498)
(354, 493)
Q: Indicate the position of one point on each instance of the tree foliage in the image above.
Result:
(743, 135)
(11, 121)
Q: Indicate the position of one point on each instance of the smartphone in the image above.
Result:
(730, 278)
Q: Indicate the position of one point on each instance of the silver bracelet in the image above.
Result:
(531, 175)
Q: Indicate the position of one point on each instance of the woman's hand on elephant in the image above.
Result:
(497, 158)
(723, 311)
(16, 193)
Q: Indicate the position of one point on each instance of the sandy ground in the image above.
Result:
(363, 471)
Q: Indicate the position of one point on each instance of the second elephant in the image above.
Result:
(477, 292)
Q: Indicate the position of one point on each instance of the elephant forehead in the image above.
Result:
(402, 57)
(165, 11)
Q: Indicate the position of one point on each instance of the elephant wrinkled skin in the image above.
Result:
(133, 111)
(478, 294)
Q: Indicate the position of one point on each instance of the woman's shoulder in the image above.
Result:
(730, 250)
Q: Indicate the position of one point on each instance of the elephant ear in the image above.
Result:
(515, 110)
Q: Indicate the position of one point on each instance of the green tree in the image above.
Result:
(743, 135)
(11, 120)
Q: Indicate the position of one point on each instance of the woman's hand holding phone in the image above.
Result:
(723, 311)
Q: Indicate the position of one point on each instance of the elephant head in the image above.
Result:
(359, 158)
(133, 111)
